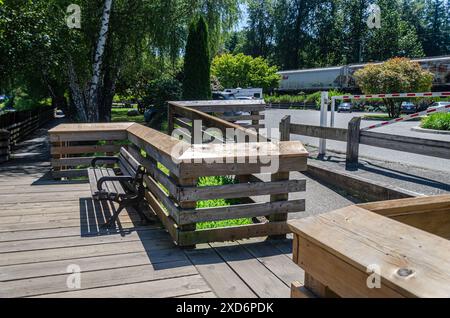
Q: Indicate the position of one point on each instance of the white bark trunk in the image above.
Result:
(93, 113)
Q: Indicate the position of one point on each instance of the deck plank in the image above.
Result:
(279, 264)
(89, 264)
(49, 243)
(174, 287)
(38, 197)
(72, 230)
(28, 257)
(262, 281)
(218, 274)
(97, 279)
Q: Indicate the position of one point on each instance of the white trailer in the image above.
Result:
(253, 93)
(341, 77)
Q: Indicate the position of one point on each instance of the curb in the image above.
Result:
(431, 131)
(371, 191)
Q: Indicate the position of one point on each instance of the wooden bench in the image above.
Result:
(124, 185)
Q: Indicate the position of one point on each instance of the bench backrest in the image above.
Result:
(130, 166)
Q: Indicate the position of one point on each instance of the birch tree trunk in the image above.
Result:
(77, 94)
(92, 103)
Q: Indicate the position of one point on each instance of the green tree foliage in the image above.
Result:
(260, 31)
(157, 93)
(145, 40)
(314, 33)
(403, 40)
(197, 63)
(245, 71)
(436, 27)
(398, 75)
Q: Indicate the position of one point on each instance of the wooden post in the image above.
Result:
(317, 288)
(186, 205)
(354, 127)
(285, 125)
(170, 120)
(4, 145)
(255, 122)
(285, 129)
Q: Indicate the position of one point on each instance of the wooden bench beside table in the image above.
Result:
(342, 251)
(124, 186)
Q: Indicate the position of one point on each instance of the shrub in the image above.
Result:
(437, 121)
(158, 93)
(398, 75)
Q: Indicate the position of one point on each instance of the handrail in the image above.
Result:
(203, 110)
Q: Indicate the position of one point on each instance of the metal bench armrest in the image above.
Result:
(117, 178)
(95, 160)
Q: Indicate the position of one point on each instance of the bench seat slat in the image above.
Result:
(92, 181)
(117, 186)
(110, 187)
(108, 184)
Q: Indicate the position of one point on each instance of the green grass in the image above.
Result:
(120, 115)
(437, 121)
(208, 182)
(217, 181)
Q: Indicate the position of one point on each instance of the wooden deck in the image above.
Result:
(48, 226)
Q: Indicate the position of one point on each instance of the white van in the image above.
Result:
(246, 93)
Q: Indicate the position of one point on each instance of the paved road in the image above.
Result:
(310, 117)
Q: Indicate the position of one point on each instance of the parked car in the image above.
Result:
(438, 104)
(345, 107)
(223, 96)
(226, 96)
(408, 108)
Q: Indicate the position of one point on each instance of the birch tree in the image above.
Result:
(92, 106)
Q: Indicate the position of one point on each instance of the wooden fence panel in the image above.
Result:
(22, 123)
(4, 145)
(427, 147)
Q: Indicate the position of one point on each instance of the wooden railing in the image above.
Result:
(22, 123)
(354, 136)
(4, 146)
(217, 114)
(385, 249)
(294, 105)
(174, 167)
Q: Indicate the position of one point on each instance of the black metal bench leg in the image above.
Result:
(112, 221)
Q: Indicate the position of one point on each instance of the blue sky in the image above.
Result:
(243, 22)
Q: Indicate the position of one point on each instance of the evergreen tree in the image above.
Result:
(436, 36)
(197, 63)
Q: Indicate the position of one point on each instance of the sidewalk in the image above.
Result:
(423, 181)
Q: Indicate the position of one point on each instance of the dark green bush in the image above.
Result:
(158, 93)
